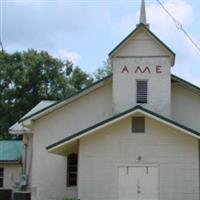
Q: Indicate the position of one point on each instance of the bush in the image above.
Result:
(71, 199)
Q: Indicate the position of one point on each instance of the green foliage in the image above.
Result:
(103, 71)
(71, 199)
(79, 79)
(28, 77)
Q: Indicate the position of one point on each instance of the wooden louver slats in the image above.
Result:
(141, 91)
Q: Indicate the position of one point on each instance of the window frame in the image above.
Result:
(137, 101)
(1, 177)
(71, 173)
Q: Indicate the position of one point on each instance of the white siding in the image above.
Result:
(186, 106)
(49, 171)
(11, 174)
(175, 153)
(143, 51)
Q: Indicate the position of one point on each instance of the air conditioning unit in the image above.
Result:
(24, 180)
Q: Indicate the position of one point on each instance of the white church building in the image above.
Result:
(133, 135)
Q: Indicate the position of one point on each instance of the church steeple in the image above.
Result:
(141, 71)
(143, 13)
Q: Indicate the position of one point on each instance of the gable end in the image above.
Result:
(138, 28)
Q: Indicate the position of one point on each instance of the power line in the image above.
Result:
(179, 26)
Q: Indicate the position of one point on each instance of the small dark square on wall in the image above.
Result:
(138, 124)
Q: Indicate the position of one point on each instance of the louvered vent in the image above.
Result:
(141, 91)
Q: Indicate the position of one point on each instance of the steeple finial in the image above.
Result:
(143, 13)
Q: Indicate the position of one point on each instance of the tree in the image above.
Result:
(79, 79)
(28, 77)
(104, 71)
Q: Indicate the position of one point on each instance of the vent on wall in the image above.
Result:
(138, 124)
(141, 91)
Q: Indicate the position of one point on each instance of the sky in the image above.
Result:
(84, 32)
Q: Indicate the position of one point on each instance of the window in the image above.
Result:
(138, 124)
(72, 166)
(141, 91)
(1, 176)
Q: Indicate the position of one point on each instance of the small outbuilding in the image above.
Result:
(10, 166)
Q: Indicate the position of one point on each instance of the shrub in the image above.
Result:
(71, 199)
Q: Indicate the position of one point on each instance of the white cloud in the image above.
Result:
(162, 25)
(68, 55)
(38, 23)
(187, 58)
(181, 11)
(158, 19)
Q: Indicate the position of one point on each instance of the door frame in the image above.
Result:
(139, 165)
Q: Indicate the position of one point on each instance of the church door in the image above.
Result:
(138, 183)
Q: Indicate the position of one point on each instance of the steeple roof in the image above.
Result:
(143, 13)
(145, 26)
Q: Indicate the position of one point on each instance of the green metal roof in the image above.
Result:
(18, 128)
(10, 151)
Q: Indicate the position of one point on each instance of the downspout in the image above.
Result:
(199, 166)
(23, 179)
(29, 172)
(24, 167)
(25, 159)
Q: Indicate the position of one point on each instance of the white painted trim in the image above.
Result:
(120, 118)
(19, 132)
(138, 165)
(93, 130)
(171, 125)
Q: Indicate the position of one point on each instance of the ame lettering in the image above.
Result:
(142, 70)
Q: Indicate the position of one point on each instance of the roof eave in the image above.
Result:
(52, 148)
(59, 104)
(10, 162)
(185, 83)
(19, 132)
